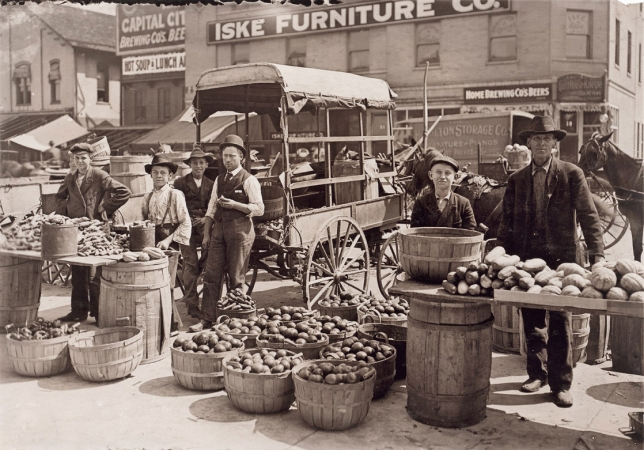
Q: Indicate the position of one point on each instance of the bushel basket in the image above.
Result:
(397, 338)
(200, 371)
(39, 358)
(308, 350)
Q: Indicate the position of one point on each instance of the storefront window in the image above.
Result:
(569, 146)
(54, 81)
(428, 43)
(359, 51)
(503, 37)
(22, 81)
(102, 83)
(578, 26)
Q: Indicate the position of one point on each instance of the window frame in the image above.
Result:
(418, 44)
(24, 82)
(617, 46)
(589, 36)
(299, 56)
(629, 53)
(491, 38)
(639, 64)
(104, 68)
(164, 110)
(140, 110)
(351, 52)
(54, 83)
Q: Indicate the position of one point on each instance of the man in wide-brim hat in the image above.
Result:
(197, 189)
(228, 226)
(540, 208)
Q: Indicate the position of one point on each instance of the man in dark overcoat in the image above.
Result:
(541, 207)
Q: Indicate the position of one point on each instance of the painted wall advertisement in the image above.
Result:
(576, 87)
(145, 64)
(508, 93)
(141, 28)
(331, 18)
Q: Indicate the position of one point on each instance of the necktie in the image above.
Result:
(441, 204)
(228, 176)
(539, 196)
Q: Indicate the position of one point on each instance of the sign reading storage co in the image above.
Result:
(149, 27)
(328, 19)
(145, 64)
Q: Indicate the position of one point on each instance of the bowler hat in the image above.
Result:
(198, 153)
(161, 160)
(541, 125)
(445, 160)
(234, 141)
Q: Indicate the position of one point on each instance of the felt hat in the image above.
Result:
(198, 153)
(161, 160)
(445, 160)
(234, 141)
(541, 125)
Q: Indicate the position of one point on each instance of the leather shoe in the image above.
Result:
(200, 326)
(563, 398)
(74, 317)
(533, 385)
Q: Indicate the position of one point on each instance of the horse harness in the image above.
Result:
(479, 185)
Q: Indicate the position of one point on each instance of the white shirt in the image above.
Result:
(251, 188)
(159, 200)
(445, 200)
(197, 182)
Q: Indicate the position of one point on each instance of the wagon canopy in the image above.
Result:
(258, 88)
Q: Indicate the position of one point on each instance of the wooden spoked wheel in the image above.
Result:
(614, 227)
(388, 269)
(337, 261)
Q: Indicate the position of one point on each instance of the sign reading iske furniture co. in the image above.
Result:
(347, 16)
(141, 28)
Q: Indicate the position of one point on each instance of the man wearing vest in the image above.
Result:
(228, 227)
(197, 189)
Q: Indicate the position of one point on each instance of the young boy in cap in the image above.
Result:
(442, 207)
(228, 229)
(87, 192)
(197, 190)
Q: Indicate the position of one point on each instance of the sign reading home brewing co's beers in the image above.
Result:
(144, 28)
(346, 16)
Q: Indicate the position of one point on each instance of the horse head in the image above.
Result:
(592, 153)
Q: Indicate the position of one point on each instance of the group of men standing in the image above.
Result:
(197, 212)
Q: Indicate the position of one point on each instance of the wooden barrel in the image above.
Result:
(128, 164)
(21, 281)
(107, 354)
(430, 253)
(200, 371)
(259, 393)
(58, 241)
(39, 358)
(598, 339)
(139, 292)
(138, 183)
(332, 407)
(309, 350)
(273, 198)
(506, 334)
(397, 338)
(449, 361)
(626, 344)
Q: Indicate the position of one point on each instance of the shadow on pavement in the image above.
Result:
(509, 394)
(166, 387)
(70, 381)
(220, 409)
(627, 393)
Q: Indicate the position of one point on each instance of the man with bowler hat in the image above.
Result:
(228, 228)
(197, 189)
(541, 207)
(89, 192)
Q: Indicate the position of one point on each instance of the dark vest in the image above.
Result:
(196, 199)
(234, 190)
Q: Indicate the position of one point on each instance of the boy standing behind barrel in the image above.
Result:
(87, 192)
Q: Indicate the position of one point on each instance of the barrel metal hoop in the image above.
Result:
(439, 397)
(436, 259)
(20, 308)
(134, 287)
(198, 375)
(451, 327)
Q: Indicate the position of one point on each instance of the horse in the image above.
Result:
(625, 176)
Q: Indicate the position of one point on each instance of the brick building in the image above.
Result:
(549, 57)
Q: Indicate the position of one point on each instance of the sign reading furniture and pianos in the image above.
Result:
(348, 16)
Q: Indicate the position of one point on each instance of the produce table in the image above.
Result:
(89, 261)
(519, 299)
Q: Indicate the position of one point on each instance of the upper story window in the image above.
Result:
(22, 80)
(140, 106)
(296, 52)
(629, 53)
(503, 37)
(102, 82)
(359, 51)
(578, 26)
(241, 53)
(164, 104)
(617, 34)
(639, 64)
(428, 37)
(54, 81)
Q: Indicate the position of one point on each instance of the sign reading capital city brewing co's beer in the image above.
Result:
(144, 28)
(316, 19)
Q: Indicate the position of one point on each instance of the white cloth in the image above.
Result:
(198, 182)
(159, 199)
(252, 189)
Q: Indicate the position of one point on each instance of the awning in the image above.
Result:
(180, 132)
(60, 131)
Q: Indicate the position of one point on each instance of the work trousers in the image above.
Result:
(190, 271)
(229, 252)
(549, 348)
(86, 288)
